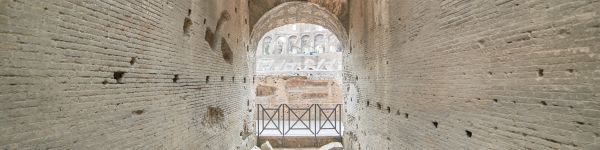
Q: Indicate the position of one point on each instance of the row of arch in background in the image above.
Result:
(308, 64)
(291, 44)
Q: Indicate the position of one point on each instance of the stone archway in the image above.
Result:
(297, 12)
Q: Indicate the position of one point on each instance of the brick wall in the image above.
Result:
(419, 74)
(124, 75)
(473, 74)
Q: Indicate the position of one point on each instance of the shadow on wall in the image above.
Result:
(216, 38)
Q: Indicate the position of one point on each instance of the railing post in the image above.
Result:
(316, 127)
(283, 123)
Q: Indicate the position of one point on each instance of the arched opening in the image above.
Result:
(292, 46)
(298, 53)
(297, 12)
(265, 46)
(313, 62)
(305, 44)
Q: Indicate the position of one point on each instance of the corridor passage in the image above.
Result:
(300, 74)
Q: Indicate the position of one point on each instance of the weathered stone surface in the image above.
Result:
(266, 146)
(418, 74)
(258, 8)
(506, 74)
(255, 148)
(123, 75)
(332, 146)
(595, 146)
(275, 90)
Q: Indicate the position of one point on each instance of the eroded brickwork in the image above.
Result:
(124, 75)
(275, 90)
(418, 74)
(473, 74)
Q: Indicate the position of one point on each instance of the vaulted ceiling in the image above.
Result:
(339, 8)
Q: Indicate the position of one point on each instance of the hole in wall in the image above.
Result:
(187, 24)
(133, 60)
(189, 12)
(435, 124)
(368, 103)
(233, 79)
(138, 112)
(175, 78)
(406, 115)
(204, 21)
(105, 81)
(245, 21)
(244, 79)
(209, 37)
(469, 133)
(389, 110)
(481, 42)
(222, 78)
(540, 72)
(227, 53)
(544, 103)
(214, 117)
(378, 105)
(571, 70)
(119, 76)
(495, 100)
(248, 102)
(207, 79)
(235, 9)
(398, 112)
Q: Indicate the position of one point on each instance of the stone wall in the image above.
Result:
(275, 90)
(473, 74)
(418, 74)
(125, 75)
(297, 92)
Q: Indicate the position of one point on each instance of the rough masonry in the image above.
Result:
(473, 74)
(124, 75)
(418, 74)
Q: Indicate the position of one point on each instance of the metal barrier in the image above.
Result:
(284, 120)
